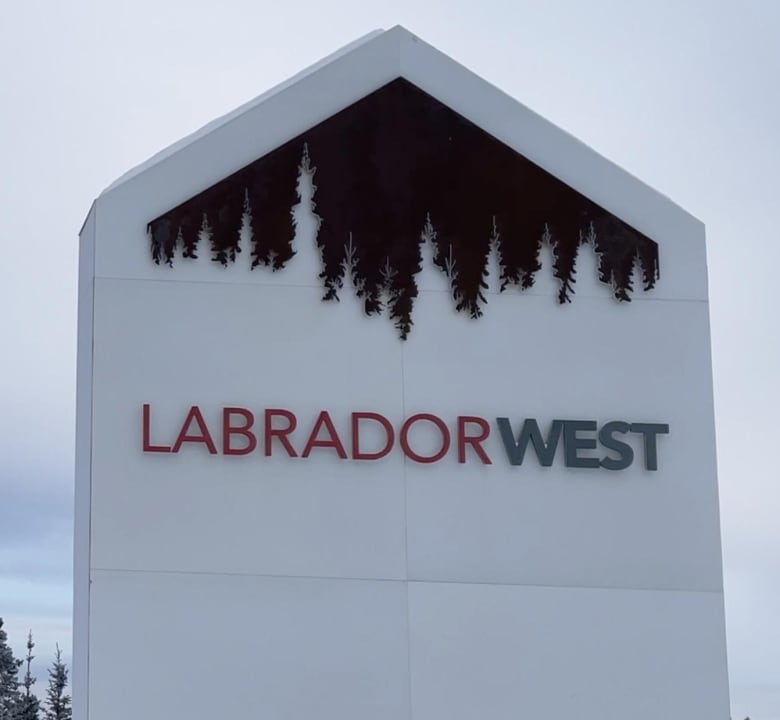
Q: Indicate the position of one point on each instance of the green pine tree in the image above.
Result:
(57, 700)
(9, 679)
(29, 705)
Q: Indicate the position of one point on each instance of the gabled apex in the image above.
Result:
(367, 64)
(226, 165)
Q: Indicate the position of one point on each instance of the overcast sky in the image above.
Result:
(683, 94)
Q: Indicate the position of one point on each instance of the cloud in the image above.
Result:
(35, 558)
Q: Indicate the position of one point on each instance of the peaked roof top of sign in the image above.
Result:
(381, 56)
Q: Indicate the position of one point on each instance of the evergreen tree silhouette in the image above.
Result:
(58, 703)
(29, 703)
(386, 169)
(9, 679)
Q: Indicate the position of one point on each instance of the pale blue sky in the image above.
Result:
(684, 94)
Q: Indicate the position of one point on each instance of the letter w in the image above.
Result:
(515, 450)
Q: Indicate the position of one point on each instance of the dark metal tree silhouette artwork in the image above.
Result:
(394, 170)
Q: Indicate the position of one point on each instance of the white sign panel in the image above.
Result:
(394, 402)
